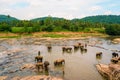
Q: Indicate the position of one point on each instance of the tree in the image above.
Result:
(113, 29)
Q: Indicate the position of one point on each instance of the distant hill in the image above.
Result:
(102, 19)
(44, 18)
(99, 18)
(7, 18)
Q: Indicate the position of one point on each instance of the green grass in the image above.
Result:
(10, 37)
(21, 29)
(54, 35)
(17, 29)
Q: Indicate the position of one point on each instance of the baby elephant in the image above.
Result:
(59, 62)
(115, 54)
(98, 53)
(46, 64)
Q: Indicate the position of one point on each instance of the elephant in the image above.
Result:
(46, 64)
(76, 46)
(85, 45)
(49, 47)
(81, 47)
(68, 49)
(39, 65)
(119, 58)
(59, 62)
(98, 53)
(114, 60)
(64, 48)
(114, 54)
(79, 44)
(85, 49)
(39, 58)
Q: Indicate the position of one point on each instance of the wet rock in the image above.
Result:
(117, 40)
(111, 71)
(41, 77)
(13, 51)
(37, 43)
(2, 48)
(27, 66)
(3, 77)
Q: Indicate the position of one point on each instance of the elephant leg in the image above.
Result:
(38, 68)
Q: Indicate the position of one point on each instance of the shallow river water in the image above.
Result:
(78, 65)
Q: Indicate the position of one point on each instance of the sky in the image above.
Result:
(69, 9)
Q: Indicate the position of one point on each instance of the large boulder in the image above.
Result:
(116, 40)
(3, 77)
(111, 71)
(27, 66)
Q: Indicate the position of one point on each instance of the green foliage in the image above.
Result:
(5, 27)
(102, 19)
(113, 29)
(10, 37)
(99, 24)
(17, 29)
(8, 18)
(21, 29)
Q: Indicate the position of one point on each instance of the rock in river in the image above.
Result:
(111, 71)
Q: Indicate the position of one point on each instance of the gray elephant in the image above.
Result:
(99, 54)
(59, 62)
(114, 54)
(46, 64)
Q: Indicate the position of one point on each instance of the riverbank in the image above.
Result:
(52, 35)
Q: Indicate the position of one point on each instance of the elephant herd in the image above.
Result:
(83, 47)
(115, 56)
(40, 65)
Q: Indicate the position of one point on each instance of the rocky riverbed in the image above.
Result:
(17, 58)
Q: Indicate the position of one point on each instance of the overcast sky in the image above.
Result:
(69, 9)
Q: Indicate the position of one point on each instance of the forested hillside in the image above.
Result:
(53, 24)
(103, 19)
(44, 18)
(7, 18)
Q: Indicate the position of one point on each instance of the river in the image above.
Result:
(78, 65)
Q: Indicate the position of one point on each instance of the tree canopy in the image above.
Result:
(50, 24)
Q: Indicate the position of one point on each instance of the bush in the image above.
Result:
(21, 29)
(113, 29)
(17, 29)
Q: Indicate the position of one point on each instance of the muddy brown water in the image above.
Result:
(78, 65)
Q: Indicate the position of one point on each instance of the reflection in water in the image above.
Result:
(83, 51)
(77, 66)
(50, 50)
(98, 57)
(58, 71)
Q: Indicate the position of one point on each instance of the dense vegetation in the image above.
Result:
(8, 18)
(10, 24)
(103, 19)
